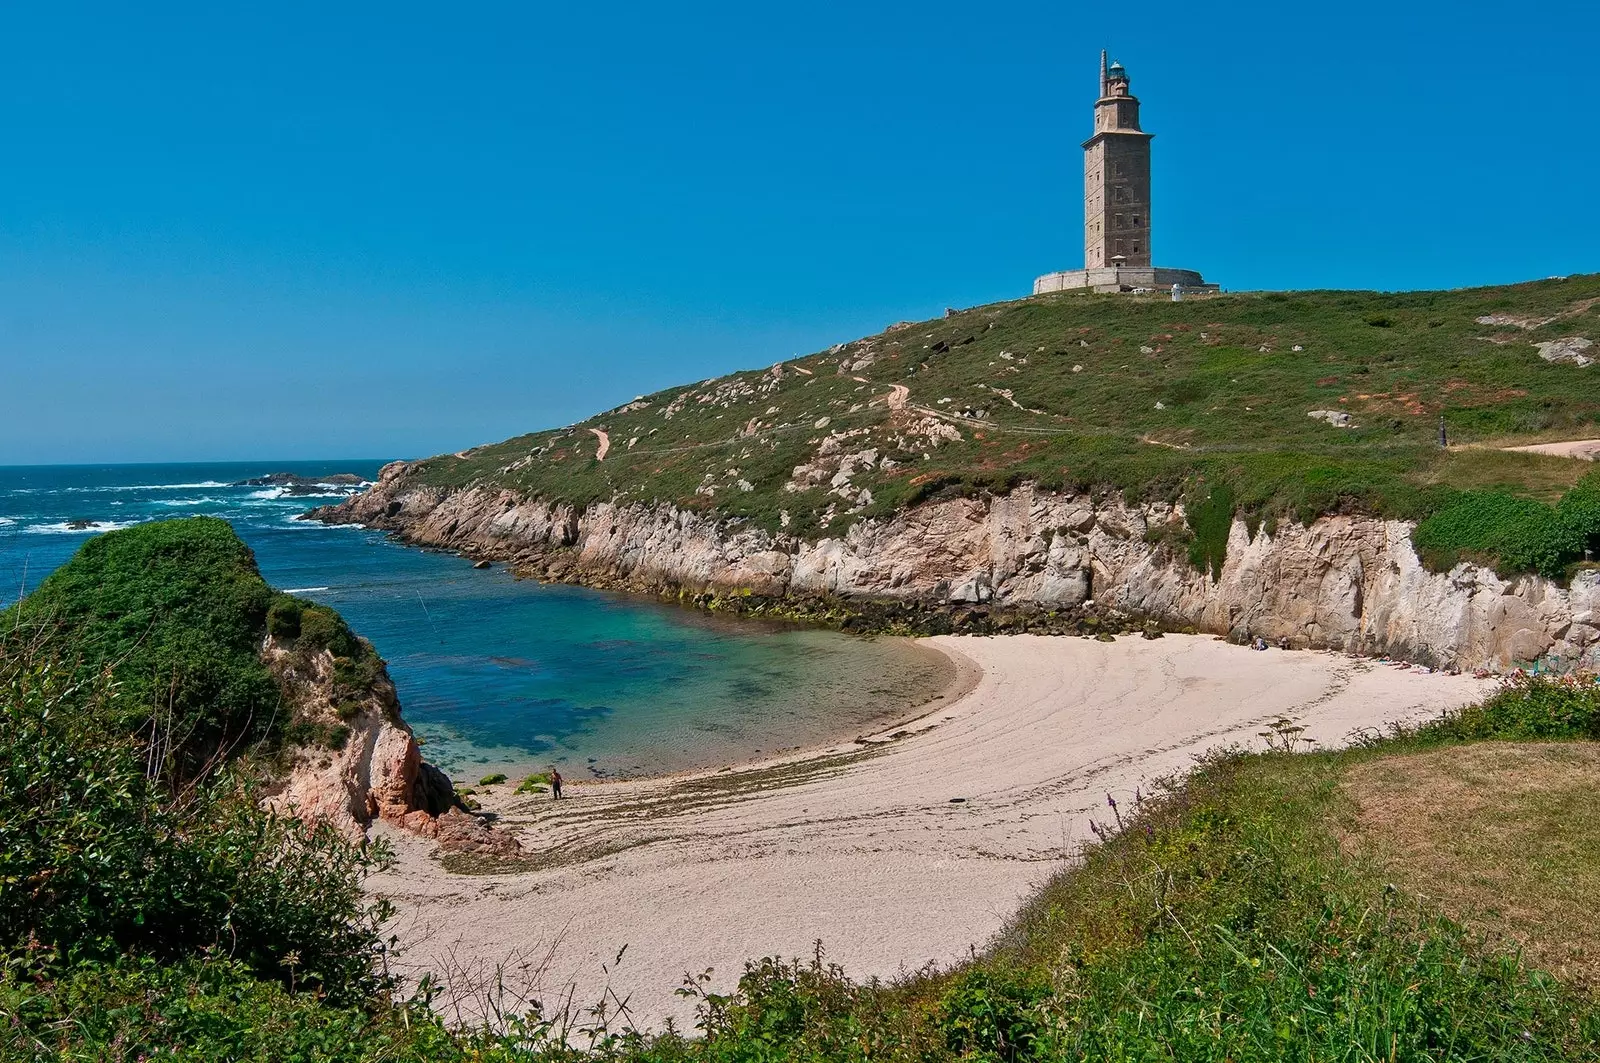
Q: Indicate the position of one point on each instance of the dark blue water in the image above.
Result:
(493, 672)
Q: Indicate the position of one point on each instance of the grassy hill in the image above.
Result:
(1206, 400)
(175, 613)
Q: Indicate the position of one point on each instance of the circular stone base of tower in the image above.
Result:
(1122, 279)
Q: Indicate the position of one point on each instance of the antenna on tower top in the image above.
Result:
(1105, 81)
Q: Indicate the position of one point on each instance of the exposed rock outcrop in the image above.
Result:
(377, 771)
(295, 484)
(1352, 583)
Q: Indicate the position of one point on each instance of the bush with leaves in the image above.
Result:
(1511, 533)
(177, 610)
(99, 857)
(1529, 708)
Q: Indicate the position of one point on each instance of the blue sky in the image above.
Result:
(303, 230)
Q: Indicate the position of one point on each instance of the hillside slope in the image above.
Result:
(1087, 390)
(1160, 457)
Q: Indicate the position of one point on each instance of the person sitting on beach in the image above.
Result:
(555, 784)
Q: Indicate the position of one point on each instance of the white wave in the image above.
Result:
(5, 521)
(146, 487)
(73, 528)
(299, 521)
(302, 590)
(183, 502)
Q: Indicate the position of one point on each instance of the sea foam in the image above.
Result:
(67, 527)
(202, 485)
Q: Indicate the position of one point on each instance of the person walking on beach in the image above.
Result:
(555, 784)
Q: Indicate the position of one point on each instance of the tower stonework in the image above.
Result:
(1116, 202)
(1116, 177)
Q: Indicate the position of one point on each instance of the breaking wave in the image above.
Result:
(79, 527)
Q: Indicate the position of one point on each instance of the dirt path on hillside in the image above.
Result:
(905, 847)
(1582, 449)
(605, 443)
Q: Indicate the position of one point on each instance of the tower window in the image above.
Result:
(1136, 247)
(1136, 225)
(1118, 221)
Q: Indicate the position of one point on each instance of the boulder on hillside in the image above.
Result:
(1569, 350)
(1337, 418)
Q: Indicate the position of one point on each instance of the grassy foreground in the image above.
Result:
(1206, 400)
(1261, 909)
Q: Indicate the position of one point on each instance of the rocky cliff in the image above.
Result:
(376, 772)
(1344, 582)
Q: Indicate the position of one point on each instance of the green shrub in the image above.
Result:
(98, 859)
(210, 1009)
(534, 784)
(994, 1011)
(1211, 520)
(302, 732)
(492, 780)
(178, 608)
(283, 618)
(1531, 708)
(1510, 533)
(323, 629)
(1579, 510)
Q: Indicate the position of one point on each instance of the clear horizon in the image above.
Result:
(394, 230)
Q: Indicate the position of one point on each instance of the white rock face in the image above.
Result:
(1567, 349)
(1352, 583)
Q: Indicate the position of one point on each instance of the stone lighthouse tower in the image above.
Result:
(1116, 202)
(1116, 177)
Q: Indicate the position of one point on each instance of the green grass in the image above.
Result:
(1512, 533)
(1085, 374)
(177, 612)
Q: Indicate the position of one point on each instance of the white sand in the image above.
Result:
(860, 845)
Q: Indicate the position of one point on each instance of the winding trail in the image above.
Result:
(605, 443)
(864, 845)
(1582, 449)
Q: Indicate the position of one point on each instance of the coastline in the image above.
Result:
(912, 844)
(1033, 559)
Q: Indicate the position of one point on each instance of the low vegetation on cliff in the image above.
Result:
(1269, 406)
(175, 614)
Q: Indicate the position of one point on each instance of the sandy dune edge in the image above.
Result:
(861, 845)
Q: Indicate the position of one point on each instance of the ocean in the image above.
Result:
(496, 673)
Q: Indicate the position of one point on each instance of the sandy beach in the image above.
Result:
(864, 845)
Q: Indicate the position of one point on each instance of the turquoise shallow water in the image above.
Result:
(493, 672)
